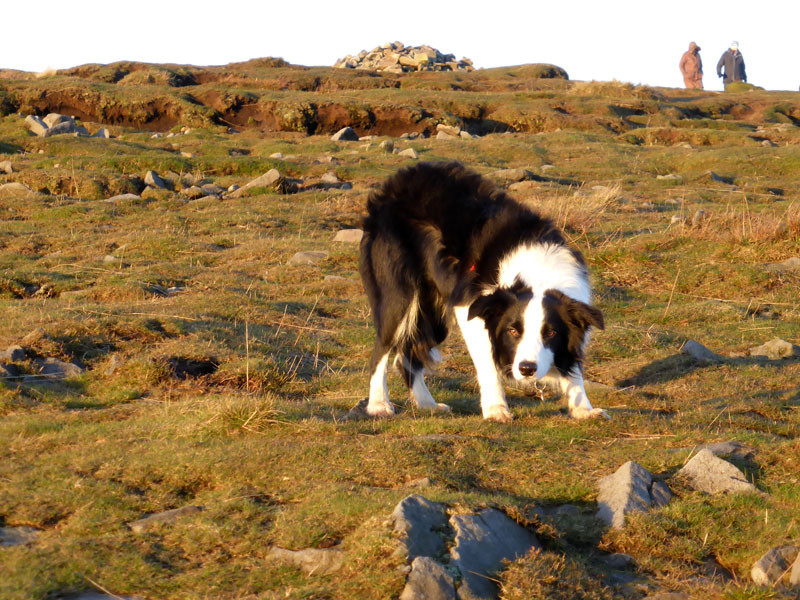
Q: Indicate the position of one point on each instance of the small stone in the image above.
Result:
(428, 580)
(618, 560)
(152, 179)
(233, 188)
(441, 135)
(276, 155)
(345, 134)
(53, 368)
(698, 217)
(168, 517)
(36, 125)
(776, 349)
(13, 353)
(768, 144)
(330, 178)
(17, 536)
(212, 189)
(270, 179)
(626, 490)
(699, 352)
(350, 236)
(308, 257)
(775, 563)
(33, 337)
(513, 174)
(123, 198)
(677, 219)
(53, 119)
(464, 135)
(313, 561)
(387, 145)
(187, 155)
(450, 130)
(707, 473)
(409, 153)
(417, 521)
(731, 448)
(546, 168)
(102, 133)
(670, 177)
(6, 167)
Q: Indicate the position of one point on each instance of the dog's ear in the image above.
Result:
(585, 316)
(489, 306)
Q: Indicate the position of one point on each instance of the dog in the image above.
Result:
(442, 244)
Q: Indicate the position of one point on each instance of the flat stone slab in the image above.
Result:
(483, 541)
(163, 518)
(790, 265)
(775, 564)
(428, 580)
(629, 489)
(123, 198)
(17, 536)
(776, 349)
(707, 473)
(349, 236)
(313, 561)
(308, 257)
(420, 522)
(699, 352)
(270, 179)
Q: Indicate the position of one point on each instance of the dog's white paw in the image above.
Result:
(440, 408)
(578, 412)
(381, 410)
(497, 413)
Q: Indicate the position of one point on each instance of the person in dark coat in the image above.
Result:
(733, 64)
(692, 68)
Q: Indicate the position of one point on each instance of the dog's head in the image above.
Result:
(533, 333)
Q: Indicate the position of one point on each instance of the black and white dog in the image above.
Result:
(439, 242)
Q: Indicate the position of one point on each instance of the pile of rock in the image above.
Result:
(397, 58)
(58, 124)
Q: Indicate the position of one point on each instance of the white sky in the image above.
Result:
(634, 41)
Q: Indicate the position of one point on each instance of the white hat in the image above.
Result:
(735, 45)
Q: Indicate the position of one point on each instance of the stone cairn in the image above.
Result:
(397, 58)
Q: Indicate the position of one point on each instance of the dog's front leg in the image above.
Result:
(577, 401)
(493, 398)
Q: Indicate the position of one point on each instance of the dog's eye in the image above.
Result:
(513, 332)
(550, 333)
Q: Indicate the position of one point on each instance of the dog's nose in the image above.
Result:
(527, 368)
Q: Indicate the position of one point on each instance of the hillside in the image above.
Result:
(165, 346)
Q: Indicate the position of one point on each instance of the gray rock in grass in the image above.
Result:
(712, 475)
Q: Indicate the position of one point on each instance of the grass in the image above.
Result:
(231, 392)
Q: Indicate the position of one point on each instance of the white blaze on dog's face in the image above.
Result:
(533, 358)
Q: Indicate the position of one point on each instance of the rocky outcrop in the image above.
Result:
(398, 58)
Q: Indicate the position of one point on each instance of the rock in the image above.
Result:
(677, 219)
(52, 368)
(451, 130)
(670, 177)
(387, 146)
(270, 179)
(13, 353)
(790, 265)
(350, 236)
(618, 560)
(17, 536)
(768, 144)
(428, 580)
(185, 154)
(629, 489)
(698, 217)
(418, 520)
(212, 189)
(6, 167)
(445, 136)
(123, 198)
(309, 257)
(276, 155)
(330, 178)
(345, 134)
(546, 168)
(465, 135)
(513, 175)
(102, 133)
(53, 119)
(776, 349)
(66, 127)
(33, 337)
(707, 473)
(15, 189)
(482, 542)
(409, 153)
(774, 564)
(731, 448)
(794, 576)
(168, 517)
(397, 58)
(721, 178)
(152, 179)
(313, 561)
(699, 352)
(232, 188)
(36, 125)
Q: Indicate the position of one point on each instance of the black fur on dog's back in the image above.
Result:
(437, 231)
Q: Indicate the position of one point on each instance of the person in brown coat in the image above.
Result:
(692, 68)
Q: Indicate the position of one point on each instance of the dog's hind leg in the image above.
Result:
(493, 398)
(379, 405)
(414, 376)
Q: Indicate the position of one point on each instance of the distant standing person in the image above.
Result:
(733, 64)
(692, 68)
